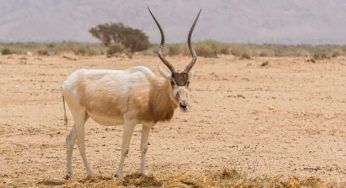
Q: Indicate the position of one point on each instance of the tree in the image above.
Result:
(115, 34)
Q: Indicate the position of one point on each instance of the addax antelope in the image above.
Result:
(129, 97)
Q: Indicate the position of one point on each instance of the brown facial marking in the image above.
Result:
(180, 78)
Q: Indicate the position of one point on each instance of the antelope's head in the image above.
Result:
(179, 80)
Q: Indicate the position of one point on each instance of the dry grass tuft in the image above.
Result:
(264, 63)
(94, 182)
(141, 181)
(51, 182)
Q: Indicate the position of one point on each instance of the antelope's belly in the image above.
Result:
(107, 120)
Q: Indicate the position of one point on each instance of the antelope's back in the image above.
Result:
(105, 94)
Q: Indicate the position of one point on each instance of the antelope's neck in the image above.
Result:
(161, 104)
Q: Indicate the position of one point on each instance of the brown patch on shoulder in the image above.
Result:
(153, 104)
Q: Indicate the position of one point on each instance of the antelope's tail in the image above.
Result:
(65, 116)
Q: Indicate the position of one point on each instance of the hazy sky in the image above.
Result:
(255, 21)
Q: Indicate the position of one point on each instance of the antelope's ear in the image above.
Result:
(165, 72)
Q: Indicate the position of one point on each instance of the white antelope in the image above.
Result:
(129, 97)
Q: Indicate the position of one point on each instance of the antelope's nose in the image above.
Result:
(183, 105)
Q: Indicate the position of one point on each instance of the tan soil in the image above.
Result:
(288, 117)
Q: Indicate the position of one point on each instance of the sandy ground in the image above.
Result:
(286, 118)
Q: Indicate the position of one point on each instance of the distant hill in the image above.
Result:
(246, 21)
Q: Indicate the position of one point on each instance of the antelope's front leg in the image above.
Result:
(127, 134)
(144, 148)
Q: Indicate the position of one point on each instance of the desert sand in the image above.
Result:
(286, 118)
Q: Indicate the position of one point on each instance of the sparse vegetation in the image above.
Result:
(212, 49)
(209, 49)
(52, 48)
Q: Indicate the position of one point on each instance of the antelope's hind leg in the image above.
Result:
(77, 134)
(70, 141)
(81, 141)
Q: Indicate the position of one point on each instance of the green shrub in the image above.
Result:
(152, 51)
(110, 34)
(80, 51)
(312, 60)
(210, 48)
(336, 53)
(238, 50)
(245, 56)
(225, 50)
(174, 49)
(263, 54)
(6, 51)
(87, 51)
(42, 52)
(117, 50)
(320, 55)
(205, 50)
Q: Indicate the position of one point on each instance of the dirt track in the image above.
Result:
(285, 118)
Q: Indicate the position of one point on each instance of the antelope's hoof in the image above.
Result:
(68, 177)
(145, 173)
(118, 176)
(90, 175)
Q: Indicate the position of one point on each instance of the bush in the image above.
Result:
(80, 51)
(113, 34)
(117, 50)
(43, 52)
(210, 48)
(264, 63)
(263, 54)
(206, 50)
(238, 50)
(87, 51)
(6, 51)
(225, 50)
(312, 60)
(245, 56)
(336, 53)
(173, 49)
(320, 55)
